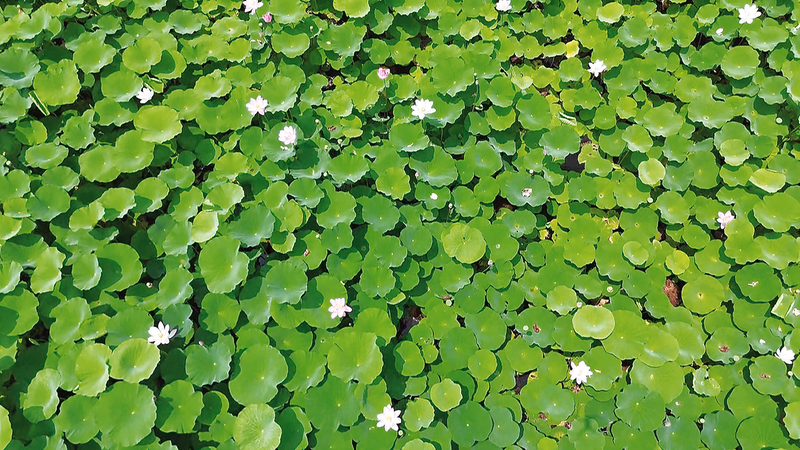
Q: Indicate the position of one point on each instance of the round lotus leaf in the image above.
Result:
(132, 152)
(673, 207)
(562, 300)
(469, 423)
(219, 313)
(667, 380)
(677, 433)
(446, 395)
(791, 421)
(408, 359)
(134, 360)
(91, 370)
(353, 8)
(769, 375)
(522, 356)
(489, 328)
(255, 428)
(758, 282)
(377, 280)
(418, 444)
(534, 112)
(464, 243)
(291, 43)
(557, 403)
(306, 370)
(126, 413)
(178, 407)
(46, 156)
(221, 264)
(703, 294)
(505, 430)
(768, 180)
(593, 321)
(355, 356)
(560, 142)
(59, 84)
(75, 417)
(157, 123)
(9, 279)
(120, 265)
(760, 432)
(204, 226)
(727, 344)
(208, 364)
(719, 430)
(142, 55)
(48, 202)
(40, 401)
(640, 408)
(482, 364)
(740, 62)
(482, 159)
(457, 345)
(635, 252)
(19, 67)
(778, 212)
(255, 378)
(651, 172)
(393, 182)
(662, 121)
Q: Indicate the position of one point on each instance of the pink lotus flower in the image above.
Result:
(267, 17)
(383, 73)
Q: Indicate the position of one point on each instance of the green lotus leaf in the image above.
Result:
(435, 167)
(206, 365)
(464, 243)
(76, 418)
(157, 123)
(651, 172)
(469, 423)
(640, 408)
(501, 92)
(727, 344)
(418, 414)
(46, 156)
(446, 395)
(91, 370)
(93, 54)
(69, 315)
(142, 55)
(19, 67)
(534, 112)
(482, 364)
(483, 159)
(740, 62)
(48, 202)
(610, 12)
(560, 142)
(257, 374)
(255, 428)
(219, 313)
(132, 152)
(409, 137)
(353, 8)
(666, 380)
(291, 42)
(758, 282)
(408, 359)
(703, 295)
(59, 84)
(488, 327)
(393, 182)
(171, 65)
(760, 432)
(769, 375)
(134, 360)
(562, 300)
(9, 277)
(222, 265)
(178, 407)
(663, 121)
(336, 208)
(19, 314)
(120, 265)
(355, 356)
(48, 271)
(285, 282)
(126, 413)
(13, 105)
(556, 403)
(593, 321)
(40, 401)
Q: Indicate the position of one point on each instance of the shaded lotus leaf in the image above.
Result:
(505, 430)
(408, 359)
(294, 426)
(464, 243)
(75, 417)
(469, 423)
(332, 404)
(59, 84)
(121, 267)
(760, 432)
(126, 413)
(41, 399)
(48, 202)
(170, 66)
(435, 167)
(417, 239)
(393, 182)
(336, 208)
(256, 375)
(134, 360)
(488, 327)
(678, 432)
(18, 67)
(483, 159)
(178, 407)
(13, 105)
(208, 364)
(255, 428)
(446, 395)
(719, 430)
(355, 356)
(157, 123)
(640, 408)
(457, 345)
(9, 277)
(222, 265)
(69, 315)
(593, 321)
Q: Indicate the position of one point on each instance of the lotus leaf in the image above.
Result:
(256, 375)
(255, 428)
(59, 84)
(126, 413)
(134, 360)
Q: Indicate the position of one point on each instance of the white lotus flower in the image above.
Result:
(720, 31)
(503, 5)
(257, 105)
(389, 418)
(250, 6)
(161, 334)
(434, 196)
(597, 67)
(786, 355)
(338, 308)
(580, 373)
(145, 95)
(288, 135)
(421, 108)
(724, 219)
(748, 13)
(527, 192)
